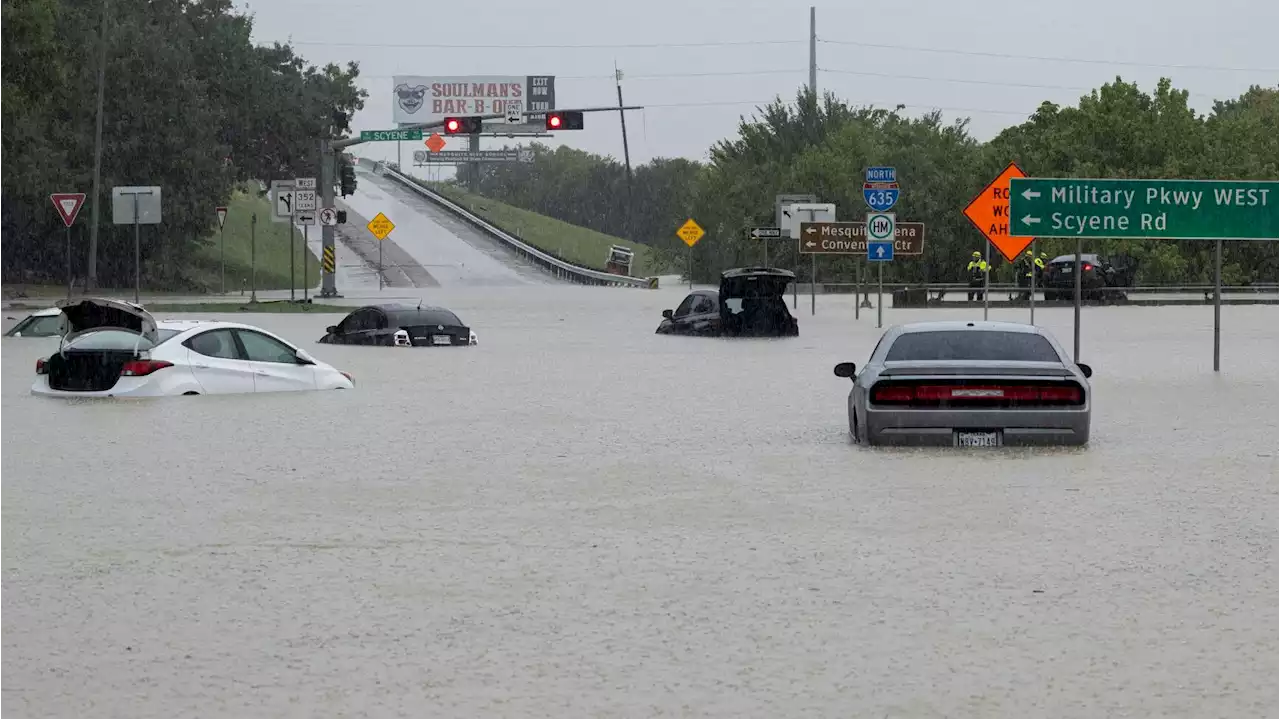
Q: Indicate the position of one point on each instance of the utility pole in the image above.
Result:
(813, 53)
(328, 281)
(91, 279)
(626, 150)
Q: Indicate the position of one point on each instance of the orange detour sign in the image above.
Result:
(989, 212)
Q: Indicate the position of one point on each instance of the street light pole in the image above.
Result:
(91, 276)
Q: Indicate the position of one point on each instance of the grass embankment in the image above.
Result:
(571, 243)
(270, 250)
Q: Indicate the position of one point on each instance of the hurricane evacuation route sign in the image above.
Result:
(989, 212)
(1146, 209)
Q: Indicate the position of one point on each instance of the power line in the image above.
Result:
(653, 76)
(1011, 56)
(607, 46)
(1023, 113)
(998, 83)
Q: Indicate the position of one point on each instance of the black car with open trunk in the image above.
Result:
(749, 303)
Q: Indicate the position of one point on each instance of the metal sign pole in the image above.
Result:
(69, 280)
(222, 254)
(1032, 297)
(986, 285)
(880, 295)
(857, 290)
(766, 251)
(137, 253)
(253, 257)
(293, 216)
(689, 258)
(813, 284)
(306, 250)
(1217, 306)
(379, 265)
(1079, 251)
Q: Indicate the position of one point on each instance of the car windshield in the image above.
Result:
(979, 345)
(37, 326)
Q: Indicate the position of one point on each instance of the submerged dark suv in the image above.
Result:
(749, 303)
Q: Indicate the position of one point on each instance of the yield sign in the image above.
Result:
(222, 216)
(68, 205)
(989, 212)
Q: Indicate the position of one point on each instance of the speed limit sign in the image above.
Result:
(328, 216)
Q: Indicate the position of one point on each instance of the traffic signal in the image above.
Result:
(462, 125)
(347, 178)
(341, 217)
(569, 120)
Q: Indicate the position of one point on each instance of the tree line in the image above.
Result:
(822, 147)
(190, 104)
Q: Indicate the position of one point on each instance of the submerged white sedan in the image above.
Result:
(117, 349)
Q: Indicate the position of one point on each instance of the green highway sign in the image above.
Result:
(390, 135)
(1144, 209)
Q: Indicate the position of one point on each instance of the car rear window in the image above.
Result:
(977, 345)
(112, 339)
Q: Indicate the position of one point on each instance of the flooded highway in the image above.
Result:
(578, 517)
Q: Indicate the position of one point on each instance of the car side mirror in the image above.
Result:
(846, 369)
(302, 357)
(1085, 369)
(331, 329)
(667, 314)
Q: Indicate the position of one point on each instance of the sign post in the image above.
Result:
(68, 205)
(1148, 209)
(764, 234)
(880, 240)
(253, 258)
(222, 246)
(304, 200)
(128, 209)
(381, 226)
(690, 232)
(989, 213)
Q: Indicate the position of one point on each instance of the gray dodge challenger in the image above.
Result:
(969, 384)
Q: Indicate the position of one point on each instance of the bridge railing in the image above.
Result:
(551, 264)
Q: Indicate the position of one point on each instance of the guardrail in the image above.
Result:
(549, 263)
(868, 288)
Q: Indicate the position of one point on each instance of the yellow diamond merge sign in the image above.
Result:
(381, 226)
(690, 232)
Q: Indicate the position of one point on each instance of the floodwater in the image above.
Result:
(580, 518)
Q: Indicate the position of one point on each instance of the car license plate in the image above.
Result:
(442, 339)
(1068, 270)
(978, 439)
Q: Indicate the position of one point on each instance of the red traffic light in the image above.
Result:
(564, 120)
(462, 125)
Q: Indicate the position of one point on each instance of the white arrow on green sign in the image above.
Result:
(1144, 209)
(390, 135)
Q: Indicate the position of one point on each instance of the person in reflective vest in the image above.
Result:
(977, 274)
(1031, 264)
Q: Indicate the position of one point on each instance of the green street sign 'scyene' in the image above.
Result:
(392, 135)
(1152, 209)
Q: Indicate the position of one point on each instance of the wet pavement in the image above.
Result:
(577, 517)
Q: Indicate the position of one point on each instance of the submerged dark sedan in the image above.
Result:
(395, 325)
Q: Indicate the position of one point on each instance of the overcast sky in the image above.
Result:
(706, 84)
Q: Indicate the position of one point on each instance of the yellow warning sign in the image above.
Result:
(326, 261)
(690, 232)
(381, 226)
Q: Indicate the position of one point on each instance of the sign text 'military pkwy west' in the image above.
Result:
(1153, 209)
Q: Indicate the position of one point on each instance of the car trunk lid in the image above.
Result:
(103, 335)
(438, 335)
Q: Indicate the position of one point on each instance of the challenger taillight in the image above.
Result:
(976, 394)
